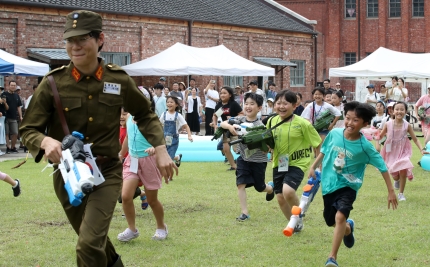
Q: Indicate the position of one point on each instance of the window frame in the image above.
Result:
(350, 4)
(348, 56)
(374, 5)
(233, 81)
(125, 61)
(298, 73)
(395, 2)
(421, 15)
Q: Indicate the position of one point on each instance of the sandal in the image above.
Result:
(144, 204)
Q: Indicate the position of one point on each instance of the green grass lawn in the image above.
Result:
(201, 205)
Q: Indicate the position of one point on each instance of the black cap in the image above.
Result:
(253, 82)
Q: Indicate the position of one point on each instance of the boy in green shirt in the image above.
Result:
(294, 139)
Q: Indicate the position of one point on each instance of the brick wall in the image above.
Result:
(338, 34)
(30, 27)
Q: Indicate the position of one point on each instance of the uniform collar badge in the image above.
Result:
(76, 74)
(99, 73)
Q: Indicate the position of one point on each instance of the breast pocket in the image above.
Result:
(110, 106)
(71, 107)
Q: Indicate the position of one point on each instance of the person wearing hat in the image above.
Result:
(372, 97)
(92, 94)
(162, 81)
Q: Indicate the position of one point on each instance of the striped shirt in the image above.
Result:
(254, 155)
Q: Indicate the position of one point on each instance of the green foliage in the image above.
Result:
(201, 205)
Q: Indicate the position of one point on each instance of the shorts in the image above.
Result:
(323, 132)
(293, 178)
(147, 172)
(11, 127)
(340, 200)
(251, 174)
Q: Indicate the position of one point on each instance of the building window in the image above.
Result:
(418, 8)
(233, 81)
(395, 8)
(350, 9)
(372, 8)
(350, 58)
(120, 59)
(297, 74)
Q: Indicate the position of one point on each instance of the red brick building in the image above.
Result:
(139, 29)
(349, 30)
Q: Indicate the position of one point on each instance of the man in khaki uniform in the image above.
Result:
(92, 95)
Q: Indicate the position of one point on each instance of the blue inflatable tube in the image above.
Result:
(202, 149)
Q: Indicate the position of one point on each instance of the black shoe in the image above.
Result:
(7, 150)
(178, 162)
(419, 163)
(270, 196)
(25, 149)
(231, 169)
(243, 217)
(17, 189)
(13, 150)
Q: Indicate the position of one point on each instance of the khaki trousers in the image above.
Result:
(91, 219)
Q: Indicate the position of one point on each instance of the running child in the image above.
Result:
(397, 150)
(341, 179)
(174, 122)
(314, 111)
(140, 165)
(377, 120)
(122, 136)
(251, 164)
(336, 101)
(294, 139)
(16, 184)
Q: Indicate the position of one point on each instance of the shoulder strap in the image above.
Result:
(58, 105)
(279, 123)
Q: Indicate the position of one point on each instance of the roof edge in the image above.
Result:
(292, 13)
(67, 7)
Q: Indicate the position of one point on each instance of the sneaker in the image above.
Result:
(178, 162)
(17, 189)
(7, 150)
(2, 153)
(331, 263)
(419, 163)
(161, 234)
(270, 196)
(349, 240)
(128, 235)
(401, 197)
(243, 217)
(13, 150)
(299, 226)
(396, 185)
(225, 160)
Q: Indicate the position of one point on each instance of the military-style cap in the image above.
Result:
(82, 22)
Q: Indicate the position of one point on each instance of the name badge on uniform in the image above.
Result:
(112, 88)
(169, 140)
(283, 162)
(133, 164)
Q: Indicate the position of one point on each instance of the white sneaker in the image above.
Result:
(128, 235)
(396, 185)
(161, 234)
(2, 153)
(401, 197)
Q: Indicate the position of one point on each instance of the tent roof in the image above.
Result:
(14, 65)
(386, 63)
(181, 59)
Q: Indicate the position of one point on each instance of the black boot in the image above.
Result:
(118, 262)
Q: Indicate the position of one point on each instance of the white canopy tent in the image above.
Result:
(14, 65)
(181, 59)
(383, 64)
